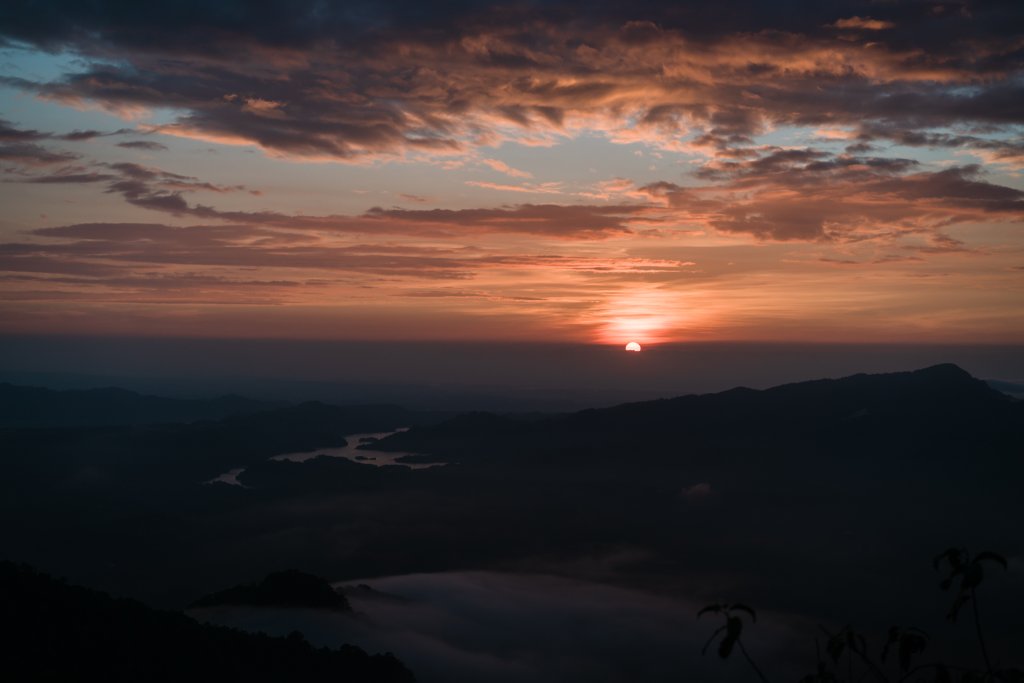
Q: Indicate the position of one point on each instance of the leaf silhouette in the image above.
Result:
(994, 557)
(912, 642)
(952, 555)
(744, 608)
(733, 630)
(704, 650)
(714, 609)
(835, 647)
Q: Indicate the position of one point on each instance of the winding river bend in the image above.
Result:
(350, 451)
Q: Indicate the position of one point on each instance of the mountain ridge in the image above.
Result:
(945, 394)
(30, 406)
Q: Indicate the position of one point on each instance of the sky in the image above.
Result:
(559, 171)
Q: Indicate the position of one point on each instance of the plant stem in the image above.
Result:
(750, 661)
(872, 667)
(981, 637)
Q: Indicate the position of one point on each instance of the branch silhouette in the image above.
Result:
(901, 645)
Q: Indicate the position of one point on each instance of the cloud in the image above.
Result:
(419, 199)
(550, 220)
(20, 145)
(211, 262)
(864, 23)
(697, 492)
(116, 254)
(82, 135)
(528, 188)
(1004, 151)
(502, 167)
(163, 191)
(553, 220)
(8, 132)
(31, 154)
(793, 193)
(312, 80)
(147, 145)
(143, 186)
(450, 84)
(807, 194)
(70, 176)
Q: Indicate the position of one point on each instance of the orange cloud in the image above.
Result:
(863, 23)
(502, 167)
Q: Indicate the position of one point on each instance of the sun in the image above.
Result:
(634, 347)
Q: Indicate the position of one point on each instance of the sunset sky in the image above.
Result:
(548, 171)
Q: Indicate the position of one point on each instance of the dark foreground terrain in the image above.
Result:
(818, 503)
(57, 632)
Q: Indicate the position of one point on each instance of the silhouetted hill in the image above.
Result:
(22, 406)
(844, 478)
(36, 407)
(57, 632)
(290, 588)
(938, 398)
(941, 390)
(313, 417)
(127, 456)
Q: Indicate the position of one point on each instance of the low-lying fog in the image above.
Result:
(491, 626)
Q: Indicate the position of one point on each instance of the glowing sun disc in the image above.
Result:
(633, 347)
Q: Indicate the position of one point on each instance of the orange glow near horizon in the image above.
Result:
(650, 317)
(521, 179)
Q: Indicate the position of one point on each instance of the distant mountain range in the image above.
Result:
(22, 406)
(35, 406)
(940, 398)
(749, 493)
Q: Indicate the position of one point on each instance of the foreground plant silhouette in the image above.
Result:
(731, 632)
(970, 571)
(900, 644)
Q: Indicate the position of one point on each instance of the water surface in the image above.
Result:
(350, 451)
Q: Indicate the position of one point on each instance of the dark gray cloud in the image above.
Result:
(318, 80)
(808, 194)
(143, 186)
(70, 177)
(122, 248)
(145, 145)
(542, 219)
(1009, 150)
(20, 146)
(31, 154)
(771, 192)
(346, 81)
(9, 132)
(301, 23)
(163, 191)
